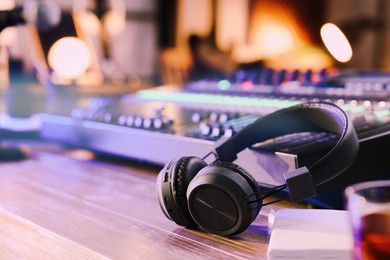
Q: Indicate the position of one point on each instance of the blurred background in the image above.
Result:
(76, 61)
(157, 42)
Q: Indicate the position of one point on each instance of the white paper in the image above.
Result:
(310, 234)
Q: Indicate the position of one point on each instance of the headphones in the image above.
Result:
(224, 199)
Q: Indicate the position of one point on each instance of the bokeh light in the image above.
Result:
(69, 57)
(336, 42)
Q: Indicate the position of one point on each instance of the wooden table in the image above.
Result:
(56, 205)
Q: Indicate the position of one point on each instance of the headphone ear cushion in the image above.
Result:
(185, 170)
(172, 184)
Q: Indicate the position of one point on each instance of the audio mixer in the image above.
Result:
(158, 124)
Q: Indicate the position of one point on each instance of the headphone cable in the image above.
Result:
(269, 193)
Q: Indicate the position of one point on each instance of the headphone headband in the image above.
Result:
(307, 117)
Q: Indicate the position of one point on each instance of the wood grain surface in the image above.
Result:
(55, 205)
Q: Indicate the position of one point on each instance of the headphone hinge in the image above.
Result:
(300, 184)
(224, 149)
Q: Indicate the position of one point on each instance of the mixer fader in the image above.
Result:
(161, 123)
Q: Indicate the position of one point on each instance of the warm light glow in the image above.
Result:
(336, 42)
(69, 57)
(82, 155)
(114, 22)
(274, 31)
(302, 58)
(7, 5)
(8, 36)
(274, 39)
(231, 21)
(90, 23)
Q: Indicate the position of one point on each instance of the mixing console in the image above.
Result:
(161, 123)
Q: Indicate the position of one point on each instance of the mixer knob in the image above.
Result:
(224, 117)
(323, 74)
(197, 117)
(307, 77)
(294, 75)
(122, 120)
(228, 132)
(216, 131)
(266, 77)
(130, 120)
(158, 123)
(78, 113)
(147, 123)
(280, 77)
(138, 121)
(240, 76)
(205, 128)
(107, 118)
(213, 117)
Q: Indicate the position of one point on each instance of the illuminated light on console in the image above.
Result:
(247, 85)
(367, 103)
(382, 104)
(382, 115)
(223, 84)
(336, 42)
(183, 97)
(69, 57)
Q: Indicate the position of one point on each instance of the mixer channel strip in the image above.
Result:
(185, 119)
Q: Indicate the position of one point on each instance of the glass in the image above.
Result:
(368, 204)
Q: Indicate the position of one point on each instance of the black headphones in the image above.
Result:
(224, 199)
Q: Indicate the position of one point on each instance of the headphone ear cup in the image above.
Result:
(172, 183)
(224, 199)
(249, 178)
